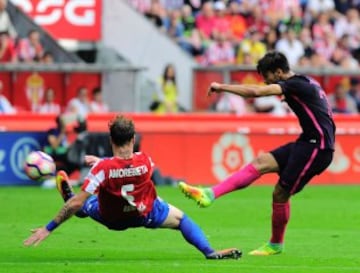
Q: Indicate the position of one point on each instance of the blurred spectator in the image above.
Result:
(318, 61)
(5, 22)
(294, 21)
(291, 47)
(5, 105)
(276, 10)
(349, 25)
(49, 106)
(252, 46)
(205, 21)
(342, 56)
(307, 41)
(57, 146)
(80, 105)
(191, 41)
(326, 47)
(270, 39)
(354, 91)
(30, 49)
(230, 103)
(188, 20)
(7, 49)
(220, 52)
(166, 100)
(172, 4)
(195, 5)
(222, 24)
(257, 20)
(304, 62)
(47, 58)
(317, 6)
(271, 105)
(193, 44)
(97, 104)
(173, 26)
(237, 22)
(342, 6)
(322, 27)
(341, 101)
(156, 13)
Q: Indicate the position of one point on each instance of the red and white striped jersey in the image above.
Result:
(124, 186)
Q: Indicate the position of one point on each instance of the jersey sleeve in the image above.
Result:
(94, 178)
(294, 87)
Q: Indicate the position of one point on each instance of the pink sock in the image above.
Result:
(238, 180)
(280, 217)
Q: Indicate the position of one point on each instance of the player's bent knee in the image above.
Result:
(265, 163)
(280, 195)
(173, 219)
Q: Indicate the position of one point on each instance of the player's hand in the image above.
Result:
(214, 88)
(91, 159)
(38, 235)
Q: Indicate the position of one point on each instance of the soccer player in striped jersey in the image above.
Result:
(119, 194)
(297, 162)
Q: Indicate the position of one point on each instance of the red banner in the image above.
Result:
(66, 19)
(204, 149)
(26, 90)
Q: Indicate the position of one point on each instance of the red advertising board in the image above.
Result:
(204, 149)
(66, 19)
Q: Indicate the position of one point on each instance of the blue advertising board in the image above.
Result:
(14, 147)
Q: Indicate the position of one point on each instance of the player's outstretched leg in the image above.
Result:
(202, 196)
(63, 186)
(268, 249)
(65, 189)
(195, 236)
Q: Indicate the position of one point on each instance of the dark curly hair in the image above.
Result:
(122, 130)
(271, 62)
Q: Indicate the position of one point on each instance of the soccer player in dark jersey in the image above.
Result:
(119, 194)
(297, 162)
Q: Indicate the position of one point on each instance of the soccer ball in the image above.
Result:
(39, 166)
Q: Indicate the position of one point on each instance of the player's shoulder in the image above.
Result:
(143, 157)
(140, 155)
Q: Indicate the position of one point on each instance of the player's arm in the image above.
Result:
(69, 209)
(90, 160)
(245, 90)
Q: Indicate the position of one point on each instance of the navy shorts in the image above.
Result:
(154, 219)
(299, 162)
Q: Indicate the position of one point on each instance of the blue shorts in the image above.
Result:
(154, 219)
(299, 162)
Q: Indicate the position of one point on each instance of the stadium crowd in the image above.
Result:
(14, 48)
(312, 33)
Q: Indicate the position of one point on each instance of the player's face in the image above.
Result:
(272, 77)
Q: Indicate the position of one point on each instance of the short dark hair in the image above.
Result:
(271, 62)
(96, 90)
(122, 130)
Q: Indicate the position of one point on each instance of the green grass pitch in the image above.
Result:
(323, 235)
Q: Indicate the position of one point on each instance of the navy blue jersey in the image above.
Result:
(308, 100)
